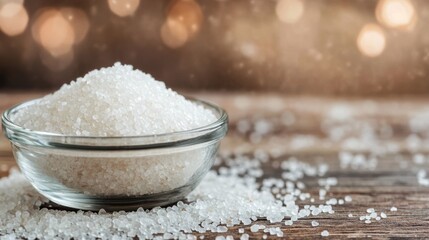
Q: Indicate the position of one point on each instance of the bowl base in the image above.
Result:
(118, 203)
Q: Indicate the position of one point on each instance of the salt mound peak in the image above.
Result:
(114, 101)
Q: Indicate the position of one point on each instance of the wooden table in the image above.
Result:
(300, 126)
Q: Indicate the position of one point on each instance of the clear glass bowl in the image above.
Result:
(115, 173)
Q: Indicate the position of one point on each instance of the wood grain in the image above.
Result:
(392, 183)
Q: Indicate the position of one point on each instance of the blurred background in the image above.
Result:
(331, 47)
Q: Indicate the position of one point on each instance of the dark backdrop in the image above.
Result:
(290, 46)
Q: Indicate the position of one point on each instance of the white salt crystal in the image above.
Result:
(332, 201)
(393, 209)
(316, 211)
(254, 228)
(348, 198)
(247, 221)
(314, 223)
(222, 229)
(421, 178)
(288, 222)
(383, 215)
(324, 233)
(244, 237)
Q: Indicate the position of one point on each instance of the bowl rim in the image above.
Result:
(213, 131)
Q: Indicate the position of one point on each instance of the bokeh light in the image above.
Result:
(289, 11)
(56, 35)
(371, 40)
(188, 12)
(123, 8)
(396, 13)
(13, 18)
(57, 30)
(184, 20)
(174, 34)
(78, 21)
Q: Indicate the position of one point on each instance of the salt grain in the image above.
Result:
(244, 237)
(254, 228)
(222, 229)
(348, 198)
(324, 233)
(288, 222)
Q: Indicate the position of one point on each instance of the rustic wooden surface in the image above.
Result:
(392, 183)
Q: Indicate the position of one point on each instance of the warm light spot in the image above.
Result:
(4, 2)
(41, 16)
(184, 19)
(123, 8)
(13, 18)
(249, 49)
(188, 12)
(78, 20)
(289, 11)
(396, 13)
(371, 40)
(174, 34)
(54, 32)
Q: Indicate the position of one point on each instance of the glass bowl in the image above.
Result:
(115, 173)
